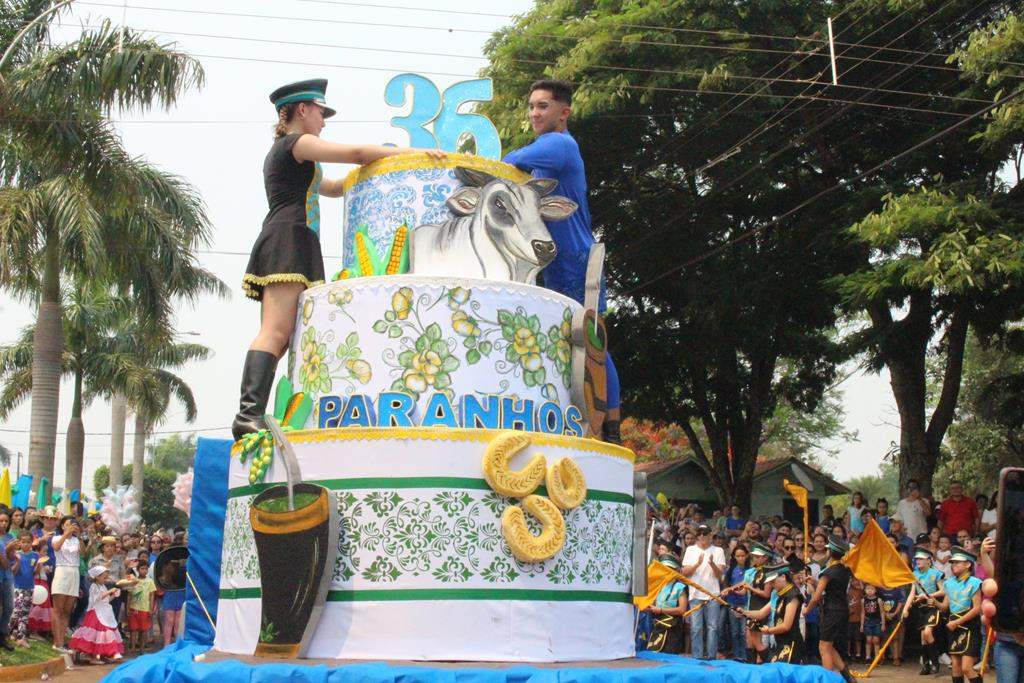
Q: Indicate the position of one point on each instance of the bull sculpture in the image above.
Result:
(497, 231)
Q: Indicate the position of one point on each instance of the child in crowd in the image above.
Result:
(140, 609)
(39, 615)
(922, 608)
(872, 621)
(855, 596)
(943, 554)
(174, 600)
(893, 600)
(98, 635)
(24, 563)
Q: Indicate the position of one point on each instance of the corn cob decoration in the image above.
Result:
(291, 410)
(398, 261)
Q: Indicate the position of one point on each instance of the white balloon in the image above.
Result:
(39, 594)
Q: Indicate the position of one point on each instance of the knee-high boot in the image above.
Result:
(257, 380)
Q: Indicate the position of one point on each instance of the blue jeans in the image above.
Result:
(738, 633)
(7, 600)
(1009, 662)
(704, 624)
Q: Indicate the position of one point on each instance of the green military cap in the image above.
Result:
(776, 570)
(314, 90)
(962, 554)
(757, 548)
(922, 553)
(838, 545)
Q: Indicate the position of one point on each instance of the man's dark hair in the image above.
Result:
(560, 90)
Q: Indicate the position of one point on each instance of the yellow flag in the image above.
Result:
(5, 488)
(799, 494)
(874, 560)
(658, 576)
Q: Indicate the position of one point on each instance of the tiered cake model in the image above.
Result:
(442, 414)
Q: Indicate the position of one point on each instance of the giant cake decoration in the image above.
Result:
(435, 416)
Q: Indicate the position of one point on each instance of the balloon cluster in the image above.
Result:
(120, 510)
(989, 588)
(182, 490)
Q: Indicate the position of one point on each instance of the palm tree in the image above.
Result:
(72, 199)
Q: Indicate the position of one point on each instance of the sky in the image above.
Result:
(217, 138)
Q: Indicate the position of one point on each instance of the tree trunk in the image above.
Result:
(118, 407)
(47, 350)
(75, 441)
(138, 456)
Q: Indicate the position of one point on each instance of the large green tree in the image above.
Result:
(71, 198)
(702, 153)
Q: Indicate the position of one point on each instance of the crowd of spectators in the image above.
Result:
(43, 549)
(714, 552)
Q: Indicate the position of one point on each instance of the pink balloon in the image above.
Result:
(988, 608)
(989, 588)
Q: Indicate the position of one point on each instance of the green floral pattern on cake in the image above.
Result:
(321, 367)
(447, 537)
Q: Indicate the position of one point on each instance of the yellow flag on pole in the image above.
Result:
(799, 494)
(658, 576)
(874, 560)
(5, 488)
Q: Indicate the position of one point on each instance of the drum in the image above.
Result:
(169, 568)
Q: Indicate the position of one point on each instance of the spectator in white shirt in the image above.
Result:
(704, 564)
(914, 510)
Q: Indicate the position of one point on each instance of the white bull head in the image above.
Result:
(498, 231)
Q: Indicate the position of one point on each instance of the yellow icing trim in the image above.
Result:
(249, 280)
(449, 434)
(419, 161)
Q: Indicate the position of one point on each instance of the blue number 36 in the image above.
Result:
(429, 106)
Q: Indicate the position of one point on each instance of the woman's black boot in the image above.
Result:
(257, 381)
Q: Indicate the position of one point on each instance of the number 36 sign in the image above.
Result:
(435, 121)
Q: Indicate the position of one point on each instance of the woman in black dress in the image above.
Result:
(286, 257)
(782, 615)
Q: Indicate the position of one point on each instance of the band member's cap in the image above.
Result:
(757, 548)
(962, 554)
(776, 570)
(669, 561)
(838, 545)
(314, 90)
(922, 553)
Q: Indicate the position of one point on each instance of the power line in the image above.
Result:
(841, 184)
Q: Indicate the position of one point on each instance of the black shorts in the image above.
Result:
(923, 616)
(789, 653)
(834, 624)
(668, 635)
(966, 639)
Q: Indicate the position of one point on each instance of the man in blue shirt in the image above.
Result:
(555, 154)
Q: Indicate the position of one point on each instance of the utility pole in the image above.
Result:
(19, 467)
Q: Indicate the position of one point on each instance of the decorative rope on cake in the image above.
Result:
(512, 483)
(566, 485)
(522, 543)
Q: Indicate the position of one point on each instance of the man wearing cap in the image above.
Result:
(923, 609)
(667, 612)
(833, 583)
(962, 599)
(555, 154)
(286, 257)
(704, 564)
(897, 529)
(758, 595)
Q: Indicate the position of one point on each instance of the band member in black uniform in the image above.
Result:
(667, 611)
(782, 615)
(961, 596)
(757, 597)
(923, 609)
(833, 583)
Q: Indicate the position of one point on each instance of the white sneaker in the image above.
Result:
(944, 660)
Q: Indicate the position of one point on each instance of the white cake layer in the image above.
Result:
(427, 335)
(423, 569)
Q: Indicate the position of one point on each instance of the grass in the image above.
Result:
(38, 651)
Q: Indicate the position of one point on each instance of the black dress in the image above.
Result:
(789, 646)
(835, 609)
(288, 248)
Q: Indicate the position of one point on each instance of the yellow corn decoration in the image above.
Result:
(365, 265)
(395, 259)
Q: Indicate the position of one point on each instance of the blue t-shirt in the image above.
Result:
(667, 597)
(960, 593)
(557, 156)
(8, 574)
(25, 578)
(931, 579)
(893, 598)
(733, 524)
(883, 522)
(734, 577)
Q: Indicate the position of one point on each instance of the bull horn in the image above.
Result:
(472, 177)
(542, 186)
